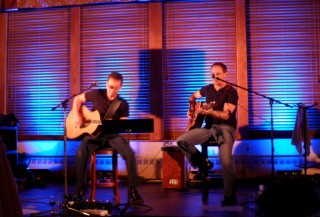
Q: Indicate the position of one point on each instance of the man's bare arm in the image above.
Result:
(76, 104)
(228, 109)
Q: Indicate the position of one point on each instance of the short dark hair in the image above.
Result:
(222, 65)
(116, 76)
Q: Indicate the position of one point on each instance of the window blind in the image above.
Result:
(38, 69)
(196, 34)
(283, 41)
(114, 37)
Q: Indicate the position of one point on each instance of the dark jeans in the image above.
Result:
(90, 144)
(224, 136)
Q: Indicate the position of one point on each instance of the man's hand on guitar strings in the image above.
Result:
(77, 121)
(203, 111)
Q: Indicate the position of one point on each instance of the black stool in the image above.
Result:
(205, 172)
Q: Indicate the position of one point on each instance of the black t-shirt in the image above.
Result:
(212, 95)
(101, 103)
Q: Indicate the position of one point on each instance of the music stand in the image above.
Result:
(128, 126)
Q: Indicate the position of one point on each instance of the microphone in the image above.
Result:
(94, 84)
(219, 79)
(214, 77)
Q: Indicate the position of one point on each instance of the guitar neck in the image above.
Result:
(96, 122)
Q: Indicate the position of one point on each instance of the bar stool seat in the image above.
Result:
(205, 172)
(105, 183)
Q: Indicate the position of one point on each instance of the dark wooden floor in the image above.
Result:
(170, 202)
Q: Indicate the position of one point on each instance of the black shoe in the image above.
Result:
(198, 176)
(209, 164)
(229, 201)
(134, 197)
(80, 194)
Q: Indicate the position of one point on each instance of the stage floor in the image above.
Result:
(168, 202)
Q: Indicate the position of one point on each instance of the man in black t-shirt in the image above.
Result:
(220, 125)
(102, 100)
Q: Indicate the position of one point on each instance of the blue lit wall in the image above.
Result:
(281, 60)
(282, 63)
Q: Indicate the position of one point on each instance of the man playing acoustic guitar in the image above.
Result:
(220, 125)
(109, 106)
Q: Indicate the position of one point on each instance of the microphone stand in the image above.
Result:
(63, 105)
(271, 101)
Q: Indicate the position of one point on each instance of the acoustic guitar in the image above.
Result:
(197, 120)
(91, 123)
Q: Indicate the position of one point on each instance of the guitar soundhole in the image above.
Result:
(86, 123)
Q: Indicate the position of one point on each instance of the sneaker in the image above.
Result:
(229, 201)
(134, 197)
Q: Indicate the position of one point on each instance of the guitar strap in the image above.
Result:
(112, 109)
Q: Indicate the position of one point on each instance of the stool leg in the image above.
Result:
(205, 187)
(93, 176)
(115, 176)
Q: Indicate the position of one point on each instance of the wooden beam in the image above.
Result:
(242, 70)
(155, 47)
(75, 51)
(3, 62)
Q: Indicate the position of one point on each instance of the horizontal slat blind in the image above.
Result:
(283, 41)
(196, 34)
(38, 69)
(115, 38)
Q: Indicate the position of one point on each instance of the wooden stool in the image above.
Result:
(205, 185)
(107, 182)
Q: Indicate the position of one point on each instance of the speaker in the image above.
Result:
(173, 168)
(294, 196)
(9, 135)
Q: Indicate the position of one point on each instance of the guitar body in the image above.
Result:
(197, 122)
(198, 118)
(91, 123)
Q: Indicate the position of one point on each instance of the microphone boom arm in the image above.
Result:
(250, 90)
(63, 103)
